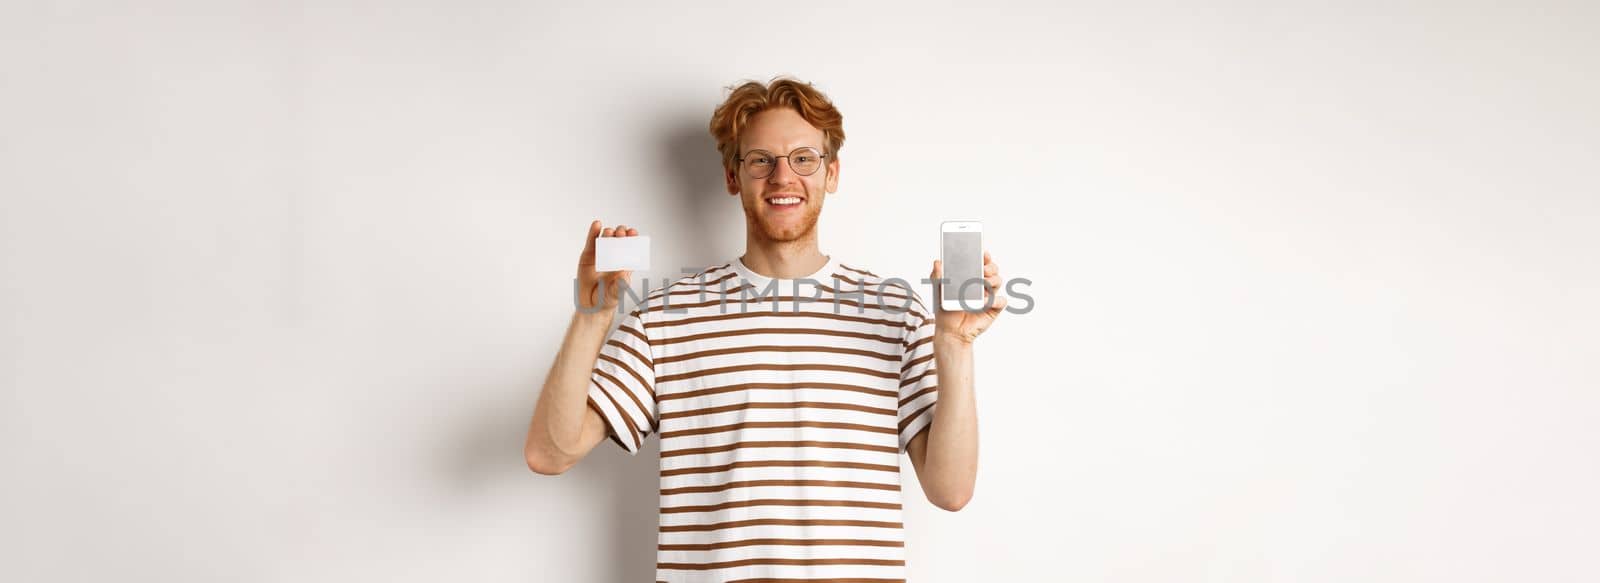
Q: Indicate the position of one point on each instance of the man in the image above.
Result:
(781, 429)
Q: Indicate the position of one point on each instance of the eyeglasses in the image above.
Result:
(803, 161)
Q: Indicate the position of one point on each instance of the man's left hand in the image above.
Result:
(961, 326)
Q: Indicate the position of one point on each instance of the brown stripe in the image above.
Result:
(780, 502)
(630, 330)
(919, 433)
(710, 291)
(745, 302)
(789, 405)
(609, 432)
(780, 522)
(913, 417)
(778, 348)
(636, 354)
(862, 287)
(760, 483)
(761, 444)
(703, 273)
(779, 464)
(863, 290)
(880, 284)
(913, 397)
(919, 360)
(748, 331)
(635, 398)
(626, 419)
(860, 271)
(629, 368)
(887, 374)
(802, 542)
(777, 425)
(712, 287)
(862, 282)
(777, 314)
(913, 380)
(768, 561)
(787, 386)
(912, 347)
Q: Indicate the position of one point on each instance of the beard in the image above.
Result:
(767, 227)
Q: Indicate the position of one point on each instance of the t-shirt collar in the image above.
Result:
(822, 275)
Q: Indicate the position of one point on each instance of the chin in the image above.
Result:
(788, 232)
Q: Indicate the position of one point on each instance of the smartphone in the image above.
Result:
(961, 251)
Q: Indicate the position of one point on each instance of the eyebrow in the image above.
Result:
(747, 152)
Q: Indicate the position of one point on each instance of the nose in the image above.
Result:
(781, 172)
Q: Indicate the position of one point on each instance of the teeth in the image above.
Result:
(785, 200)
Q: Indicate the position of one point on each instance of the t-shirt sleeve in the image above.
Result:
(622, 385)
(919, 381)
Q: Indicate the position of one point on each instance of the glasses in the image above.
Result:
(803, 161)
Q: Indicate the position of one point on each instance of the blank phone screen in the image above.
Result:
(963, 261)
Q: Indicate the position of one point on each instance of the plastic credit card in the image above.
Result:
(622, 253)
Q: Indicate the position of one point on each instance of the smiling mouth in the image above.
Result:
(785, 201)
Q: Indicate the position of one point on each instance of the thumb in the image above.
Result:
(586, 257)
(618, 281)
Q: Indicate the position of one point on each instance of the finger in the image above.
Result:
(993, 313)
(991, 268)
(992, 281)
(986, 259)
(606, 232)
(587, 256)
(619, 231)
(633, 232)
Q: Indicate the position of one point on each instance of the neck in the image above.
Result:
(784, 259)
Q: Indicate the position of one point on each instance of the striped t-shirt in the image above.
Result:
(781, 422)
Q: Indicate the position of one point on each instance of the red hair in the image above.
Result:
(752, 97)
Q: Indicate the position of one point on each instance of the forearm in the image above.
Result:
(952, 451)
(558, 418)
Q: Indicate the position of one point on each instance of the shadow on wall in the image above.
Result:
(703, 226)
(705, 223)
(637, 490)
(485, 461)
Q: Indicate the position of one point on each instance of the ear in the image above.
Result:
(833, 175)
(731, 180)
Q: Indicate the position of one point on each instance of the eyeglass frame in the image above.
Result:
(821, 155)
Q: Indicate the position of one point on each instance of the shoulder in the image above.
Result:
(895, 291)
(710, 280)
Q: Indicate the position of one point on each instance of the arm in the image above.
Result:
(945, 456)
(564, 428)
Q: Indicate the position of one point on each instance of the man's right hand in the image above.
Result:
(589, 280)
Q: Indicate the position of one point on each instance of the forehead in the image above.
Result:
(780, 130)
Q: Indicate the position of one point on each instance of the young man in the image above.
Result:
(781, 420)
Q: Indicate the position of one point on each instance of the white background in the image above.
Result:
(1315, 284)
